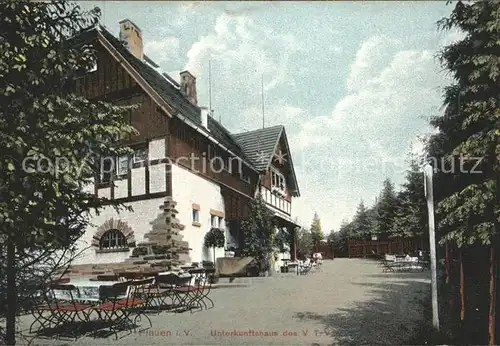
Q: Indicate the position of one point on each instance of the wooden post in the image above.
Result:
(493, 278)
(462, 294)
(447, 262)
(10, 330)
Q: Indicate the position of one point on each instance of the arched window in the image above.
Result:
(113, 239)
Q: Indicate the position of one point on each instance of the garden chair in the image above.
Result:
(65, 310)
(164, 290)
(204, 287)
(193, 294)
(119, 302)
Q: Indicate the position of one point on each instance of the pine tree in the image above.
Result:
(316, 232)
(361, 224)
(385, 210)
(411, 218)
(468, 147)
(470, 209)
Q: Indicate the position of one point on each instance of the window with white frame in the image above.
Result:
(220, 222)
(121, 166)
(113, 239)
(278, 181)
(214, 220)
(196, 215)
(140, 155)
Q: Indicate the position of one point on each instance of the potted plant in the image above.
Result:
(230, 251)
(215, 239)
(140, 251)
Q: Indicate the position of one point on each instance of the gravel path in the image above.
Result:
(350, 301)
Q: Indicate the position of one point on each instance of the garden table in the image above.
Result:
(87, 290)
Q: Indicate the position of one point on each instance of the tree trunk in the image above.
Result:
(493, 278)
(462, 296)
(447, 262)
(10, 335)
(214, 255)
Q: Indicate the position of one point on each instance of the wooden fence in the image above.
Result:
(369, 248)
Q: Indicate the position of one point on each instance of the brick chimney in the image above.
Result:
(131, 37)
(188, 87)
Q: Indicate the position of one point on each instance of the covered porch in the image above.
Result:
(285, 223)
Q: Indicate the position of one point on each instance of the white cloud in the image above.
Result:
(241, 52)
(369, 132)
(163, 50)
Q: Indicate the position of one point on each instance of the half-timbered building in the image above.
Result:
(181, 152)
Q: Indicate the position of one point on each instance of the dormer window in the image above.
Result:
(278, 181)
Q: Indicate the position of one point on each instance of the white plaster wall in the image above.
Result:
(188, 188)
(144, 213)
(157, 149)
(104, 192)
(157, 181)
(138, 176)
(121, 188)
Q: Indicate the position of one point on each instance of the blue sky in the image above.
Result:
(353, 83)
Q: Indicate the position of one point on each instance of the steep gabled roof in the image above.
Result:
(257, 147)
(260, 146)
(164, 88)
(169, 91)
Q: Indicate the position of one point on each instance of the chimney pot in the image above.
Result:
(204, 116)
(131, 36)
(188, 87)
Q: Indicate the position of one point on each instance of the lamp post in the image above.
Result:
(428, 173)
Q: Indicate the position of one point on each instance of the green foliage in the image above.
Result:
(50, 138)
(361, 227)
(305, 243)
(469, 136)
(43, 121)
(258, 233)
(140, 251)
(159, 249)
(338, 240)
(316, 232)
(385, 210)
(283, 240)
(411, 217)
(215, 238)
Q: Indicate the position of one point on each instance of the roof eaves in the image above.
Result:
(297, 190)
(168, 109)
(274, 148)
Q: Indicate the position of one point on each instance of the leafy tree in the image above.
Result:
(316, 232)
(215, 238)
(385, 210)
(304, 243)
(50, 138)
(258, 233)
(361, 224)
